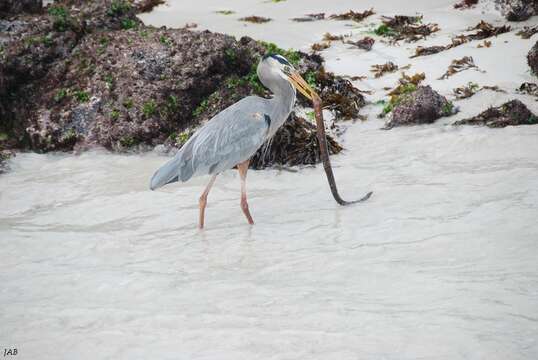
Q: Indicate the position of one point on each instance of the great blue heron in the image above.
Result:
(234, 135)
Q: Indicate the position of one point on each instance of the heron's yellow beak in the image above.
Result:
(301, 85)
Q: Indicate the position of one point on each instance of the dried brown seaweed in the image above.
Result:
(407, 84)
(511, 113)
(459, 65)
(484, 31)
(429, 50)
(295, 143)
(400, 20)
(466, 91)
(365, 44)
(527, 32)
(493, 88)
(330, 37)
(340, 96)
(457, 41)
(255, 19)
(465, 4)
(380, 70)
(310, 17)
(320, 46)
(406, 28)
(225, 12)
(352, 15)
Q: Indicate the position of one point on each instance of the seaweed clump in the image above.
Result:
(486, 30)
(408, 28)
(465, 4)
(366, 43)
(353, 15)
(466, 91)
(297, 145)
(510, 113)
(310, 17)
(339, 95)
(380, 70)
(459, 65)
(483, 29)
(255, 19)
(320, 46)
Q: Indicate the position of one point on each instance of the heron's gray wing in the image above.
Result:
(231, 137)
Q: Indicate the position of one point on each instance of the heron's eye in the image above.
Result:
(287, 70)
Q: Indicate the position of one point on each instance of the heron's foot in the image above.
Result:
(246, 211)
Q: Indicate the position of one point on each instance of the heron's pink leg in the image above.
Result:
(243, 168)
(203, 201)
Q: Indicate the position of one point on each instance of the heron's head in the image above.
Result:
(277, 66)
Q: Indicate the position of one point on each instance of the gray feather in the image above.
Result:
(232, 136)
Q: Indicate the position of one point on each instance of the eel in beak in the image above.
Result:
(305, 89)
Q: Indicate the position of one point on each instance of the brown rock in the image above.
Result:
(422, 106)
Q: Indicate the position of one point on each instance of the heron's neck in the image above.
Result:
(281, 104)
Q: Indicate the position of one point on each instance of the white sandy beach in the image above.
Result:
(441, 262)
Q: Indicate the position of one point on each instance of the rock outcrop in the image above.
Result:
(423, 106)
(82, 74)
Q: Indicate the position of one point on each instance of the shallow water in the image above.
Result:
(439, 263)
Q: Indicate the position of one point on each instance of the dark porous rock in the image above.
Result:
(511, 113)
(5, 155)
(422, 106)
(125, 88)
(9, 7)
(532, 59)
(518, 10)
(295, 143)
(89, 73)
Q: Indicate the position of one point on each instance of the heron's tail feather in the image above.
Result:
(174, 170)
(165, 174)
